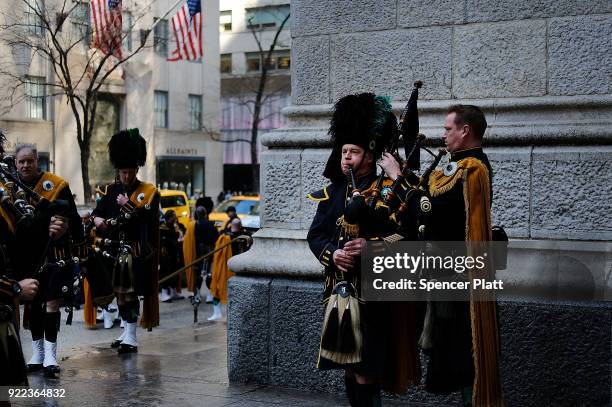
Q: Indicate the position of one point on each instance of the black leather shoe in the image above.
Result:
(124, 348)
(52, 371)
(34, 367)
(115, 344)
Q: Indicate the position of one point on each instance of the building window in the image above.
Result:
(225, 20)
(43, 162)
(127, 31)
(253, 61)
(35, 97)
(184, 174)
(279, 60)
(266, 17)
(283, 60)
(195, 112)
(226, 63)
(160, 38)
(33, 9)
(161, 109)
(80, 22)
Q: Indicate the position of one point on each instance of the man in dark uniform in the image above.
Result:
(128, 212)
(58, 277)
(15, 286)
(169, 260)
(13, 372)
(362, 126)
(199, 239)
(464, 350)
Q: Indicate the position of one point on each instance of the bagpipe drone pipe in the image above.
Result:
(402, 205)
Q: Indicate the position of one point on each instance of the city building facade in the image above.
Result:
(174, 104)
(242, 24)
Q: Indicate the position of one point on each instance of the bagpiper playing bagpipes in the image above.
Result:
(41, 199)
(449, 201)
(16, 225)
(126, 249)
(374, 342)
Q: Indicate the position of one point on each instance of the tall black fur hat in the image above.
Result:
(127, 149)
(363, 119)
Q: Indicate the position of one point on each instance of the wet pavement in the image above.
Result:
(179, 363)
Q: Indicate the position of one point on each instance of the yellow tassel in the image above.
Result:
(89, 310)
(440, 183)
(487, 390)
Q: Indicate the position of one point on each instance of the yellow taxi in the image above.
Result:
(178, 202)
(247, 208)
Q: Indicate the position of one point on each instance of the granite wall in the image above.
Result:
(542, 72)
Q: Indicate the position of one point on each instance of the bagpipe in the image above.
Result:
(15, 196)
(116, 228)
(29, 212)
(113, 254)
(24, 205)
(403, 203)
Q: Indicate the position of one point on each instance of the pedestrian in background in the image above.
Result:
(199, 239)
(220, 271)
(169, 259)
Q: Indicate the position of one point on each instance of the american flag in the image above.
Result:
(187, 27)
(106, 20)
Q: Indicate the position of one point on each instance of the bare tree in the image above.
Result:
(46, 35)
(259, 96)
(254, 91)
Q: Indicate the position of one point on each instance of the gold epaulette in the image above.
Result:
(318, 196)
(143, 195)
(439, 183)
(50, 185)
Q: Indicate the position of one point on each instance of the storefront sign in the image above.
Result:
(181, 151)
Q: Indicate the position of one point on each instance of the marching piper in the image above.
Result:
(127, 224)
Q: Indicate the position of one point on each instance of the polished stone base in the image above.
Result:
(552, 353)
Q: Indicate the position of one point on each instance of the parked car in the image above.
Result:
(247, 208)
(178, 202)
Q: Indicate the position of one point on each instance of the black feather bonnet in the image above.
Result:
(127, 149)
(363, 119)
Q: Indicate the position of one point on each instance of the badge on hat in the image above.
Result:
(48, 185)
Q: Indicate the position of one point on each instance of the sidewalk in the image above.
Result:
(179, 364)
